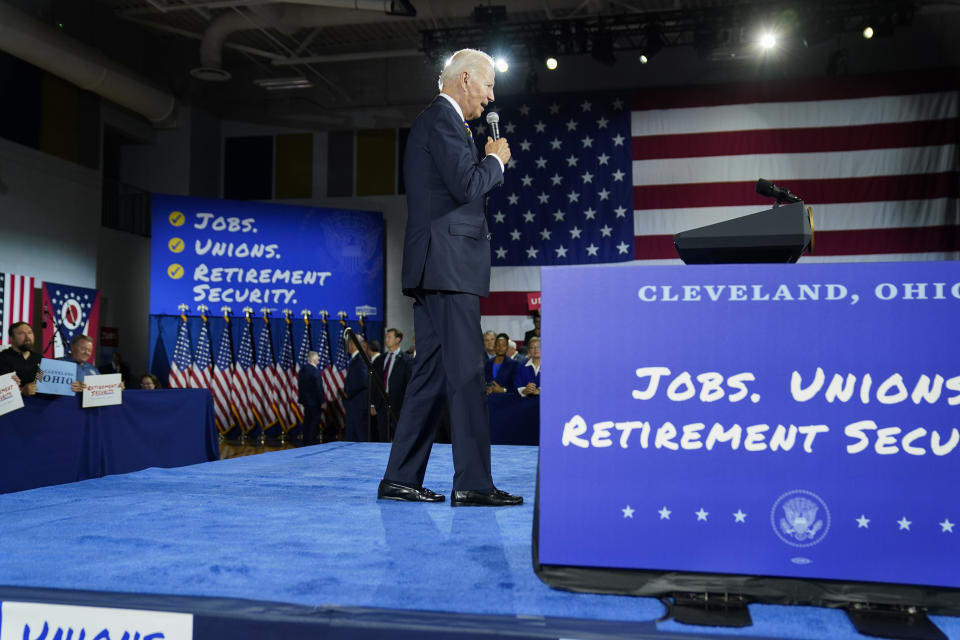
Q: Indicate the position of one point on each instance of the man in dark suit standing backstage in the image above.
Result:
(355, 398)
(310, 395)
(393, 369)
(446, 268)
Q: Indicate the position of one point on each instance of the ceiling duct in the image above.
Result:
(305, 13)
(49, 49)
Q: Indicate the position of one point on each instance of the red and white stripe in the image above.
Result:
(243, 399)
(333, 381)
(17, 303)
(200, 377)
(221, 387)
(179, 379)
(875, 157)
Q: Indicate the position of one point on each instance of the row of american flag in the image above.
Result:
(252, 386)
(610, 178)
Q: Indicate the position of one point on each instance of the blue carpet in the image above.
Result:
(302, 526)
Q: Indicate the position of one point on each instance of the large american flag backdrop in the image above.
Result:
(605, 178)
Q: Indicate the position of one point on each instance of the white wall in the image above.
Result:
(50, 214)
(123, 276)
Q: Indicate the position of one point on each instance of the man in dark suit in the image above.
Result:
(446, 268)
(310, 395)
(393, 369)
(499, 371)
(356, 402)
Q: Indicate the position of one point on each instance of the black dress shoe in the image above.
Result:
(404, 493)
(492, 498)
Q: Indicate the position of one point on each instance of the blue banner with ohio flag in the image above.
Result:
(264, 256)
(775, 420)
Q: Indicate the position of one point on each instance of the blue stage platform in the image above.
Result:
(293, 544)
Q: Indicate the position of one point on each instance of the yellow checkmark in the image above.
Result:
(177, 218)
(175, 271)
(176, 245)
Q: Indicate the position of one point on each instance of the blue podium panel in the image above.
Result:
(773, 420)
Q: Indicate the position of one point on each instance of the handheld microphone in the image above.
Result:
(494, 121)
(770, 190)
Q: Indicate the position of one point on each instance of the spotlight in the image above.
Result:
(551, 63)
(768, 41)
(868, 32)
(502, 64)
(644, 59)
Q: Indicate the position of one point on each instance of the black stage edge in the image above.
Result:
(235, 619)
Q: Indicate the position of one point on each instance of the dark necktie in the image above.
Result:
(469, 130)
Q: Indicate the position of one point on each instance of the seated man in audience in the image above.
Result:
(499, 370)
(20, 359)
(489, 338)
(81, 348)
(527, 378)
(514, 354)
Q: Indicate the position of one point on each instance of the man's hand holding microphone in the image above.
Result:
(495, 144)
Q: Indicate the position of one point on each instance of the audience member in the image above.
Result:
(81, 348)
(489, 338)
(514, 354)
(310, 395)
(117, 365)
(536, 328)
(355, 398)
(527, 378)
(149, 381)
(499, 370)
(372, 349)
(393, 369)
(20, 359)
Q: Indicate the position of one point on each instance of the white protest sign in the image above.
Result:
(100, 391)
(39, 620)
(10, 398)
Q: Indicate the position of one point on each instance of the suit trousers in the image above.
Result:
(448, 366)
(311, 424)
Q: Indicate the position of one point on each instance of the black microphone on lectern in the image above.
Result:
(770, 190)
(494, 121)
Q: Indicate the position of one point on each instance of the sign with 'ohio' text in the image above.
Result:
(238, 254)
(777, 420)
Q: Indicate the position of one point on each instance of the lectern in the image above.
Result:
(780, 234)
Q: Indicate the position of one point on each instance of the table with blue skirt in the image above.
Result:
(54, 440)
(514, 419)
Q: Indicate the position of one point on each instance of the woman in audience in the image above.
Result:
(149, 381)
(527, 377)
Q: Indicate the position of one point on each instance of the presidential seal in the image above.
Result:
(800, 518)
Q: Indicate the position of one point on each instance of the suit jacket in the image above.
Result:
(505, 374)
(356, 403)
(399, 377)
(447, 242)
(309, 386)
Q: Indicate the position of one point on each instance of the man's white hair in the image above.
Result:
(464, 60)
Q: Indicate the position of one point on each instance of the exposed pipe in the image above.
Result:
(49, 49)
(305, 13)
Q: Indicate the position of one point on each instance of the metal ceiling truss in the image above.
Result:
(647, 32)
